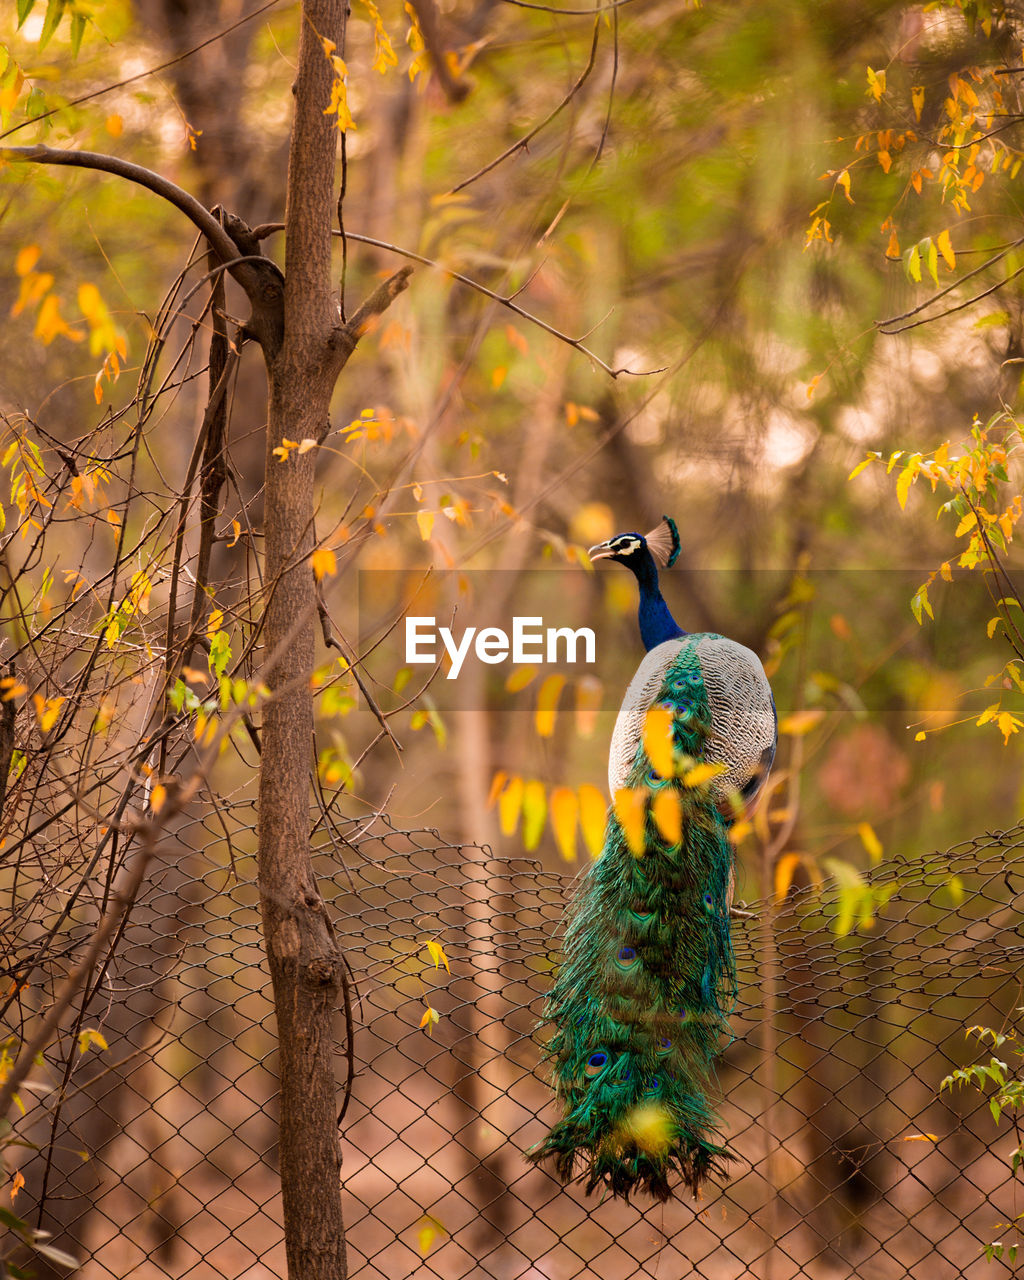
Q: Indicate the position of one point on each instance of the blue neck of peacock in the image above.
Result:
(656, 623)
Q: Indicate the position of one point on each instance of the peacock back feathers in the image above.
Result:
(641, 1003)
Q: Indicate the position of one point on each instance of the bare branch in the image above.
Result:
(527, 138)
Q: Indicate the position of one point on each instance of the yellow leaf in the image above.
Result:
(872, 457)
(945, 247)
(437, 954)
(704, 772)
(47, 711)
(88, 1037)
(428, 1233)
(843, 180)
(1008, 724)
(921, 1137)
(535, 807)
(520, 678)
(968, 522)
(870, 841)
(988, 714)
(236, 529)
(430, 1019)
(630, 810)
(593, 815)
(892, 249)
(425, 524)
(114, 125)
(547, 705)
(213, 623)
(324, 562)
(992, 624)
(801, 722)
(417, 492)
(785, 869)
(906, 479)
(649, 1126)
(158, 797)
(17, 1182)
(945, 572)
(498, 376)
(658, 740)
(11, 687)
(510, 803)
(668, 815)
(885, 160)
(920, 737)
(917, 99)
(564, 810)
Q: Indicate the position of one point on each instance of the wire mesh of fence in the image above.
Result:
(156, 1156)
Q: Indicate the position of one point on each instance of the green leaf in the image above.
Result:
(24, 9)
(54, 13)
(77, 31)
(913, 265)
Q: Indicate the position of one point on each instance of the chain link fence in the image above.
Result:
(156, 1157)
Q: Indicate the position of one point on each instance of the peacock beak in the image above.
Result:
(602, 551)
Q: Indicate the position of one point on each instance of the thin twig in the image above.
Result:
(527, 138)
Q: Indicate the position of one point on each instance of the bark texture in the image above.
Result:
(306, 964)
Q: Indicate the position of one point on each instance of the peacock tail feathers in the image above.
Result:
(648, 980)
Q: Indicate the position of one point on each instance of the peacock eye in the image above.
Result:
(682, 1013)
(596, 1063)
(627, 957)
(653, 776)
(654, 1085)
(709, 902)
(664, 1046)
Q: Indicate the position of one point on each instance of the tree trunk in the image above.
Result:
(306, 965)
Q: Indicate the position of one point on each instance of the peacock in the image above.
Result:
(648, 979)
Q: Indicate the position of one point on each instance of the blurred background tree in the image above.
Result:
(731, 196)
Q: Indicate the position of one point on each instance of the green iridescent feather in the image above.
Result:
(647, 983)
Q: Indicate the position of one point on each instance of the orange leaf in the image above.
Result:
(658, 741)
(497, 783)
(588, 703)
(801, 722)
(630, 810)
(324, 562)
(785, 869)
(520, 678)
(668, 815)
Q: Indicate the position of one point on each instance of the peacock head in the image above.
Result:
(631, 549)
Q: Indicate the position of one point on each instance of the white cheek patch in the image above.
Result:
(626, 547)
